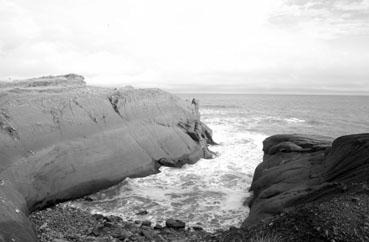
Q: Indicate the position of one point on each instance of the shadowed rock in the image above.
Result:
(175, 224)
(349, 159)
(297, 169)
(61, 139)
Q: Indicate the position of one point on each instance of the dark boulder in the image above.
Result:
(146, 223)
(175, 224)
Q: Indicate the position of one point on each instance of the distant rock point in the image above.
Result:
(46, 81)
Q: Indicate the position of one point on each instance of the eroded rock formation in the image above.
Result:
(61, 139)
(299, 169)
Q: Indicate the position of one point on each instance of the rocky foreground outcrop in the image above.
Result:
(309, 188)
(61, 139)
(298, 169)
(292, 168)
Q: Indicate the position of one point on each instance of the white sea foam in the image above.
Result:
(209, 193)
(295, 120)
(273, 119)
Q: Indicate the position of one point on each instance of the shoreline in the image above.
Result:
(322, 221)
(63, 223)
(326, 209)
(97, 137)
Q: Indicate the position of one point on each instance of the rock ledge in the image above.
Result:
(61, 139)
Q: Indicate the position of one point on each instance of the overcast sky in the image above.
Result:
(227, 46)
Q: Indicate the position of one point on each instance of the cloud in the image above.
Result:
(190, 45)
(324, 18)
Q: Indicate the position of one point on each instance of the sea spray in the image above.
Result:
(209, 193)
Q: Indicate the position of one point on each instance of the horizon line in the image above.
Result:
(271, 93)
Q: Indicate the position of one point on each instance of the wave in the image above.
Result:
(294, 120)
(272, 119)
(209, 193)
(213, 107)
(243, 122)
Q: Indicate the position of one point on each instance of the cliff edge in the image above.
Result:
(61, 139)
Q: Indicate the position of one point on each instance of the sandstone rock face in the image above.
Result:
(298, 169)
(61, 139)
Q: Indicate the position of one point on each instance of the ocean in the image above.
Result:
(211, 193)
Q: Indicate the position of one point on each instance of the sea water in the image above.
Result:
(211, 193)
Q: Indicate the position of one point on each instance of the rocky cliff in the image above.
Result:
(310, 188)
(298, 169)
(61, 139)
(291, 166)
